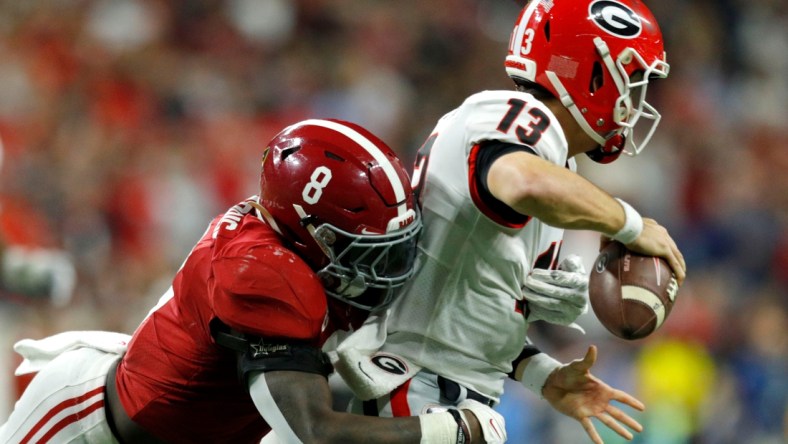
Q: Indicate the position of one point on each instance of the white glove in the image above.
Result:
(493, 424)
(557, 296)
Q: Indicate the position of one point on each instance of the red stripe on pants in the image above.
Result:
(59, 408)
(399, 400)
(70, 419)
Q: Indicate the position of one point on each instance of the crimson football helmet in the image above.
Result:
(343, 200)
(597, 57)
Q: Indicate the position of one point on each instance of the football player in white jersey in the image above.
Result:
(497, 185)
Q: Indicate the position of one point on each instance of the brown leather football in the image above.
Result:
(631, 294)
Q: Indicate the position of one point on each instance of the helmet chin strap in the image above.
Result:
(609, 152)
(311, 229)
(266, 216)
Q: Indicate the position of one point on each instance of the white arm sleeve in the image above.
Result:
(264, 401)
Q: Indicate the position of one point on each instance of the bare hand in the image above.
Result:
(655, 240)
(575, 392)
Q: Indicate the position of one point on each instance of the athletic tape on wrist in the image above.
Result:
(536, 372)
(633, 224)
(438, 428)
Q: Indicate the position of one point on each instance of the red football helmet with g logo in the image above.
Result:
(343, 200)
(597, 57)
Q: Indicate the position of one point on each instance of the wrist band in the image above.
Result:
(463, 432)
(633, 224)
(438, 428)
(536, 372)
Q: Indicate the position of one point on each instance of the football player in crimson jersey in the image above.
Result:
(233, 349)
(497, 186)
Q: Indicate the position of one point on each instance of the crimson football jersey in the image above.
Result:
(175, 381)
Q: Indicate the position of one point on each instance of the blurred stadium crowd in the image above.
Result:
(127, 124)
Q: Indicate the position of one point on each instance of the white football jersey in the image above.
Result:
(461, 315)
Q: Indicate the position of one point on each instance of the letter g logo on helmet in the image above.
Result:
(615, 18)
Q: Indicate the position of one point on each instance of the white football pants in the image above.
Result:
(420, 395)
(64, 403)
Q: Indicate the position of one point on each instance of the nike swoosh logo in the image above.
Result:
(365, 231)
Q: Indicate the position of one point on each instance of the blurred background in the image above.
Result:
(128, 124)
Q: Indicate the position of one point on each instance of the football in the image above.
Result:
(631, 294)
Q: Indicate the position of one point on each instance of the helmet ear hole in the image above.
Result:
(547, 31)
(334, 156)
(597, 78)
(287, 152)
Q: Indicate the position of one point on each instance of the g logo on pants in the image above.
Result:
(390, 364)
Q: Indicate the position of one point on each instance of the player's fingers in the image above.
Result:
(622, 417)
(677, 251)
(676, 261)
(678, 269)
(681, 262)
(591, 430)
(681, 274)
(628, 399)
(613, 425)
(675, 258)
(589, 359)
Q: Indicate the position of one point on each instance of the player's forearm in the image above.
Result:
(345, 428)
(555, 195)
(297, 405)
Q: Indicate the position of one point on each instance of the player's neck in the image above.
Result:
(576, 138)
